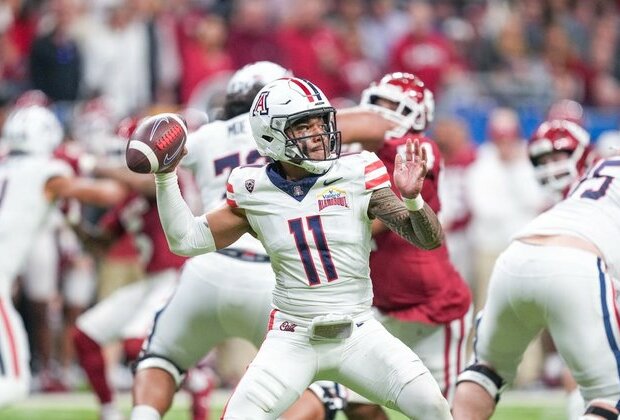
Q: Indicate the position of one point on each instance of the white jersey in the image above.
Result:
(595, 199)
(23, 207)
(316, 232)
(214, 150)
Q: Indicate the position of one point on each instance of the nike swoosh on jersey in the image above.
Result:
(331, 181)
(168, 159)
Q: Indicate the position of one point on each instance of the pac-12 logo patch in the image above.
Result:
(249, 185)
(261, 105)
(332, 197)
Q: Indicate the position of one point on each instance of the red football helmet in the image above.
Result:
(414, 104)
(558, 171)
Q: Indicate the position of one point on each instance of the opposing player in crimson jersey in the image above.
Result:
(312, 210)
(31, 183)
(422, 300)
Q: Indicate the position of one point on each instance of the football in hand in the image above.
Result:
(157, 143)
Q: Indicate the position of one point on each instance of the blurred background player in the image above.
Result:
(560, 152)
(459, 153)
(126, 314)
(56, 283)
(31, 181)
(503, 194)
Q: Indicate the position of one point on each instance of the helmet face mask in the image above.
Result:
(292, 121)
(556, 171)
(300, 136)
(403, 99)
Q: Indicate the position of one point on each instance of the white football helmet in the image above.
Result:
(415, 104)
(260, 72)
(281, 103)
(559, 136)
(33, 130)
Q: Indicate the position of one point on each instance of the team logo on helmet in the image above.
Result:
(261, 104)
(332, 197)
(249, 185)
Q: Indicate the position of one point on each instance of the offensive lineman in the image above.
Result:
(558, 273)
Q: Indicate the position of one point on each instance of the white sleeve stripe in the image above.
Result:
(377, 173)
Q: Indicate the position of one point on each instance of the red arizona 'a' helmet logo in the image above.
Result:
(261, 105)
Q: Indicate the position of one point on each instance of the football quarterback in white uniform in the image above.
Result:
(227, 293)
(30, 181)
(312, 212)
(560, 273)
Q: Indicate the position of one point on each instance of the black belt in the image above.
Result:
(243, 255)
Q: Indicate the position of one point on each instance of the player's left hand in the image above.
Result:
(409, 172)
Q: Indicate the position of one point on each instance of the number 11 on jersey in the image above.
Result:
(314, 225)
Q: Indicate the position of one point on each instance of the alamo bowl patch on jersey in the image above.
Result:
(332, 197)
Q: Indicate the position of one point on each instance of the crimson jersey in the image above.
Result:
(138, 216)
(423, 286)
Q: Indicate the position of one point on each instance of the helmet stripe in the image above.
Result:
(304, 88)
(316, 90)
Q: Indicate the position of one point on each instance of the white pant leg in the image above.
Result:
(106, 321)
(513, 313)
(79, 281)
(587, 331)
(14, 354)
(441, 347)
(218, 297)
(388, 364)
(162, 287)
(284, 366)
(566, 290)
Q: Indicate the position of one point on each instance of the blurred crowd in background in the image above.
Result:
(473, 54)
(495, 67)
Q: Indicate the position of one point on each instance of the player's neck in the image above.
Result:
(292, 172)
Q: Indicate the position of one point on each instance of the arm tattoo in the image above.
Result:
(420, 228)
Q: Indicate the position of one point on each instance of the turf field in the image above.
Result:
(530, 405)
